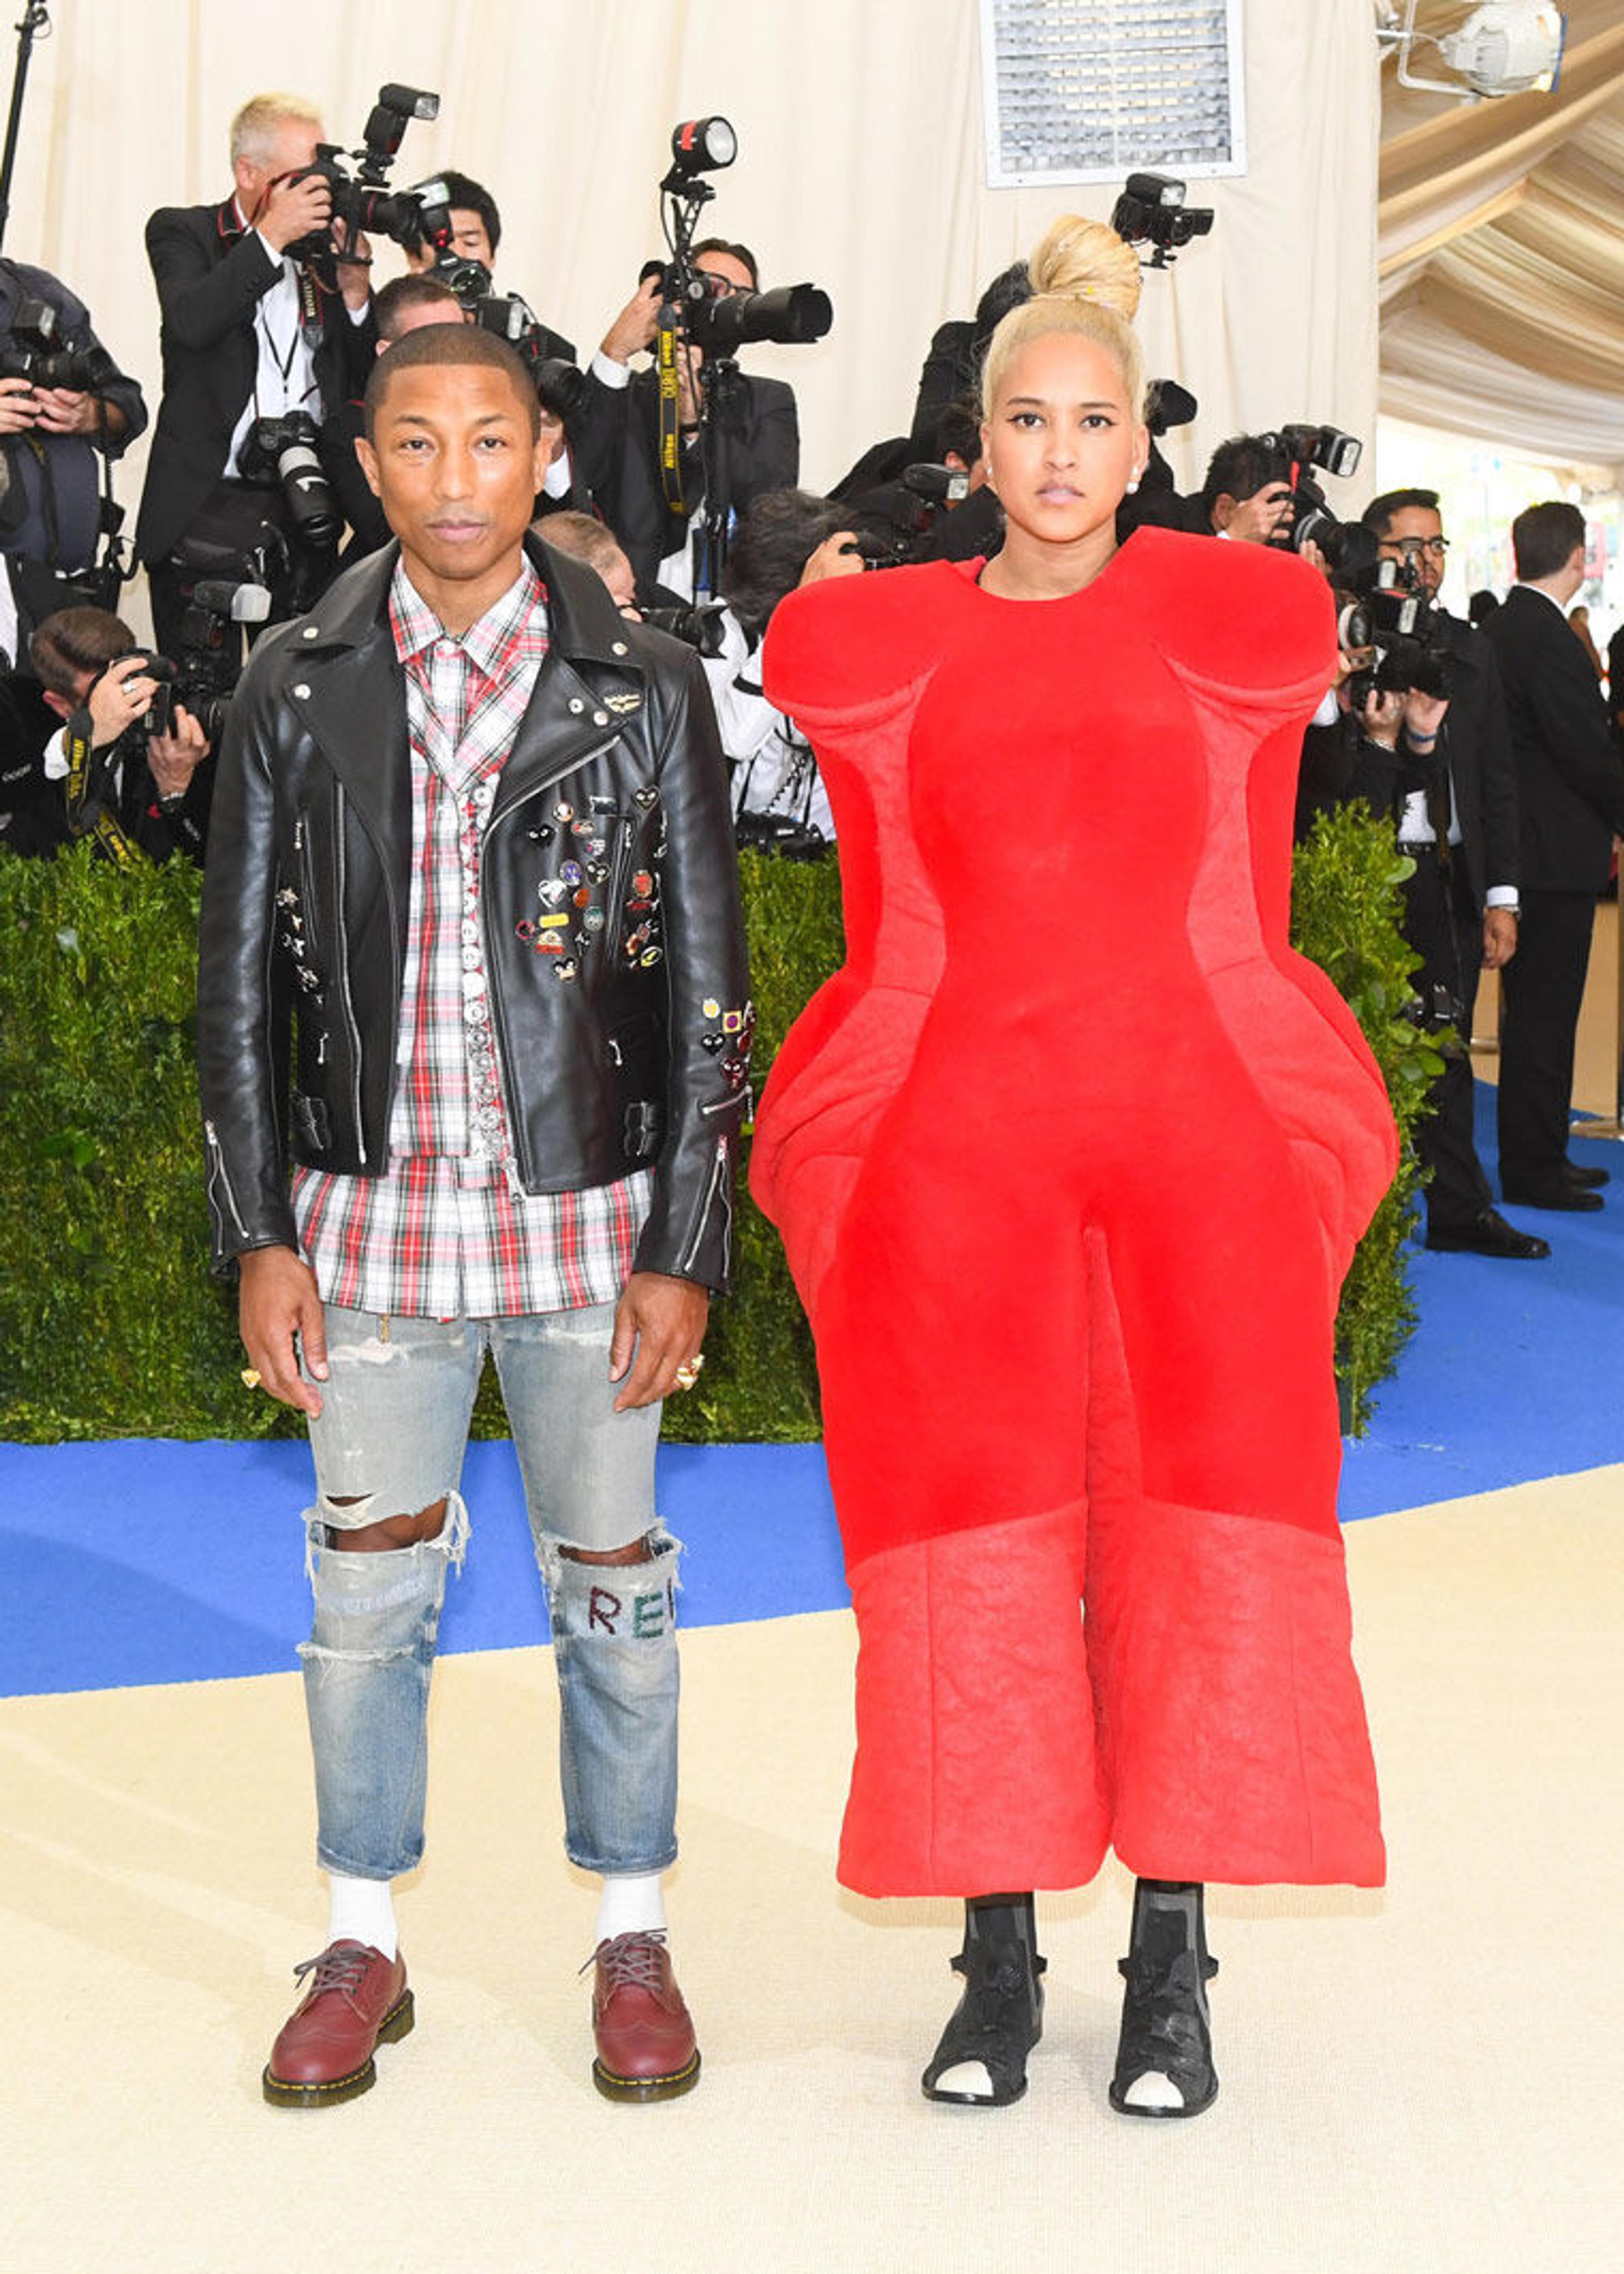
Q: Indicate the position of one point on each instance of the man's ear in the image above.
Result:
(366, 458)
(1223, 509)
(59, 704)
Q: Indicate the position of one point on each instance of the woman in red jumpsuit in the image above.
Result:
(1069, 1160)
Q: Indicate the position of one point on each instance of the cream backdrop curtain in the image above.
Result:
(860, 168)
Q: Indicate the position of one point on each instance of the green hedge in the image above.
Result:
(110, 1323)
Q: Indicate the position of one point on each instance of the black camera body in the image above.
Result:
(559, 383)
(1398, 619)
(703, 629)
(1349, 547)
(362, 199)
(32, 350)
(722, 322)
(204, 675)
(282, 453)
(781, 833)
(1152, 211)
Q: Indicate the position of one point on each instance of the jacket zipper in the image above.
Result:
(719, 1173)
(217, 1174)
(343, 958)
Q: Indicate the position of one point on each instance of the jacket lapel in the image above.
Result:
(569, 717)
(348, 691)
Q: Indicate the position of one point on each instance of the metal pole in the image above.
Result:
(36, 21)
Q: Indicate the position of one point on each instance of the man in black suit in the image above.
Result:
(1460, 830)
(1570, 789)
(251, 329)
(750, 423)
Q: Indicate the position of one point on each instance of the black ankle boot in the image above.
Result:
(1000, 2016)
(1166, 2028)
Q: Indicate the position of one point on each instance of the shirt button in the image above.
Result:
(470, 960)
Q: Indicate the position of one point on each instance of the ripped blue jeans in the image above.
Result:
(390, 1441)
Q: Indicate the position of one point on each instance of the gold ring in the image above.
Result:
(251, 1377)
(686, 1377)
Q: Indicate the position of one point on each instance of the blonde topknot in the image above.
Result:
(1085, 280)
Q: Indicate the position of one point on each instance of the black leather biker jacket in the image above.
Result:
(627, 1048)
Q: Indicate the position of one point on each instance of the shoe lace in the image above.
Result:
(1164, 2014)
(632, 1960)
(335, 1970)
(994, 1982)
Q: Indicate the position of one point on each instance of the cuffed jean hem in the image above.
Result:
(612, 1867)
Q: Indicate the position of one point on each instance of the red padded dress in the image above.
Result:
(1069, 1160)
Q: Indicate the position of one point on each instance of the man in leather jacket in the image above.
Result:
(472, 846)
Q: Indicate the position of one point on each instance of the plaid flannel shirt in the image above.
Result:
(447, 1231)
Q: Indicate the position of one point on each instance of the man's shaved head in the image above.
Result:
(451, 345)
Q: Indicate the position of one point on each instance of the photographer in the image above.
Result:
(474, 233)
(785, 539)
(618, 438)
(264, 315)
(133, 790)
(1247, 495)
(1444, 771)
(54, 423)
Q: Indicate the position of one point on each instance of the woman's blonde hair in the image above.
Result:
(1084, 280)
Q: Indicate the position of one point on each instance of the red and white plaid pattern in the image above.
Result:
(447, 1232)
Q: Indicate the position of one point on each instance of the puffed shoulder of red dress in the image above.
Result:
(1240, 617)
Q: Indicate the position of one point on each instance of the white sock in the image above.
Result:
(361, 1910)
(631, 1904)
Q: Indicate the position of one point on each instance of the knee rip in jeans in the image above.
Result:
(405, 1532)
(634, 1609)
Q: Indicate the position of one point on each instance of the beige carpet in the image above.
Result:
(1427, 2078)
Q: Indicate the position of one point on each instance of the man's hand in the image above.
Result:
(119, 697)
(1424, 715)
(354, 259)
(1500, 939)
(294, 209)
(1261, 516)
(66, 410)
(636, 325)
(1381, 716)
(278, 1299)
(662, 1320)
(20, 406)
(174, 758)
(836, 556)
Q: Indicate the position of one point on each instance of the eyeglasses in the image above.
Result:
(1409, 546)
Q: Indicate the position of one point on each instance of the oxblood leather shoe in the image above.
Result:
(357, 1999)
(643, 2031)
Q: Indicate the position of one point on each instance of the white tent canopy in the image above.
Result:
(1502, 254)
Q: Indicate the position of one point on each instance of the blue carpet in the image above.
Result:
(148, 1560)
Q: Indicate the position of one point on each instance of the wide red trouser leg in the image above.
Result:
(1144, 1425)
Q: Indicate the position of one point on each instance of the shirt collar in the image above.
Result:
(1539, 588)
(416, 625)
